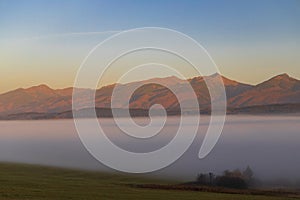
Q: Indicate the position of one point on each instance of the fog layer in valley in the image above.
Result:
(269, 144)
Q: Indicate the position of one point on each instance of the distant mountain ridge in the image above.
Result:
(281, 89)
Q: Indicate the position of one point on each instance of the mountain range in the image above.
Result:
(279, 90)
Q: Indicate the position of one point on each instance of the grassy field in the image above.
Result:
(18, 181)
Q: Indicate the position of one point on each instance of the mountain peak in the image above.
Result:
(170, 80)
(282, 76)
(279, 82)
(215, 75)
(40, 88)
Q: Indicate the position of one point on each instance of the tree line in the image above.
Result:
(231, 179)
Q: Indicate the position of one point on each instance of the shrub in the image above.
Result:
(231, 182)
(230, 179)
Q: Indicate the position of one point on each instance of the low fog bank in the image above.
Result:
(268, 144)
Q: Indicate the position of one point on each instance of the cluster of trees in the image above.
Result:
(231, 179)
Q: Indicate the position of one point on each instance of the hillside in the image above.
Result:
(37, 100)
(37, 182)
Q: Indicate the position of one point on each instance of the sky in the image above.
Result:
(44, 42)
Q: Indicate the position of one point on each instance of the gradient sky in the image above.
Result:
(250, 41)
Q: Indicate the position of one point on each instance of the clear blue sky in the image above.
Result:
(253, 19)
(250, 40)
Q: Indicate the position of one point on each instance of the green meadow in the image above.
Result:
(21, 181)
